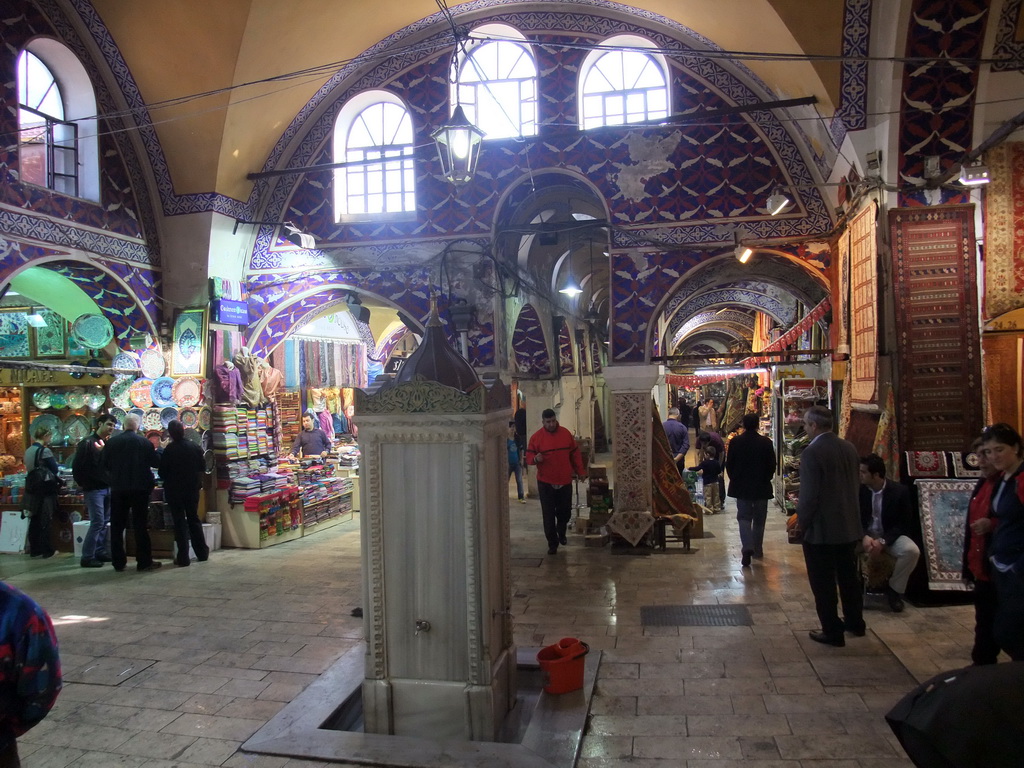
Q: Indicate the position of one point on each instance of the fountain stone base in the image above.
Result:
(325, 722)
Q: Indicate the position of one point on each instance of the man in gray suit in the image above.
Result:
(829, 514)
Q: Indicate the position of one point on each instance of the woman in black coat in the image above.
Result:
(181, 469)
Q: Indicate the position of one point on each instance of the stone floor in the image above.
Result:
(176, 668)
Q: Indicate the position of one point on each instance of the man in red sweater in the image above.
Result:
(552, 449)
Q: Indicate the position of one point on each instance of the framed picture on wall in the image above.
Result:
(50, 338)
(188, 348)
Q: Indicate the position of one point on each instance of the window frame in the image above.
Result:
(382, 167)
(590, 66)
(470, 93)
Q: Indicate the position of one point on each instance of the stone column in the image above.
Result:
(631, 386)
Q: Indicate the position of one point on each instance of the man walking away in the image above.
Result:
(751, 466)
(92, 478)
(829, 514)
(552, 449)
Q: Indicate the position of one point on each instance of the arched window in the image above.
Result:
(498, 83)
(623, 86)
(374, 134)
(57, 142)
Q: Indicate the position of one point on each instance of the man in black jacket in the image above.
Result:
(751, 466)
(127, 458)
(886, 516)
(92, 479)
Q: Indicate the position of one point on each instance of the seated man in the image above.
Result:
(886, 516)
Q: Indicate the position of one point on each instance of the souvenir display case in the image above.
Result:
(792, 398)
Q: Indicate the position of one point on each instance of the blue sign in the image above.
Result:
(230, 312)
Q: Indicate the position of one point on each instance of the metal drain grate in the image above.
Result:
(695, 616)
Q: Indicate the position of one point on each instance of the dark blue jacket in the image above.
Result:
(1007, 545)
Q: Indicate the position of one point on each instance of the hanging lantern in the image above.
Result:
(458, 146)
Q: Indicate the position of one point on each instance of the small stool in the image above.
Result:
(664, 532)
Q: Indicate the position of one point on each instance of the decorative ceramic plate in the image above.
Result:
(119, 414)
(126, 362)
(94, 363)
(154, 436)
(137, 412)
(187, 392)
(142, 393)
(77, 373)
(92, 331)
(193, 436)
(120, 392)
(76, 429)
(152, 420)
(52, 423)
(75, 397)
(41, 399)
(95, 399)
(207, 441)
(205, 417)
(188, 417)
(162, 392)
(167, 415)
(58, 400)
(211, 461)
(152, 363)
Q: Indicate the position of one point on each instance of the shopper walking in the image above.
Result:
(128, 458)
(1006, 549)
(977, 570)
(751, 467)
(30, 677)
(515, 466)
(552, 449)
(182, 468)
(829, 514)
(41, 505)
(91, 477)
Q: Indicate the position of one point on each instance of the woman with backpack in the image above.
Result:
(41, 501)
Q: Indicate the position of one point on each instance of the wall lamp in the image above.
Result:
(291, 233)
(974, 175)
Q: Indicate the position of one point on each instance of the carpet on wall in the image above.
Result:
(939, 404)
(1004, 230)
(669, 497)
(943, 508)
(864, 308)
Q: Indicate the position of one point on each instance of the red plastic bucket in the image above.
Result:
(562, 665)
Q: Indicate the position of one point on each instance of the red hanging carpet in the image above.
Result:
(935, 283)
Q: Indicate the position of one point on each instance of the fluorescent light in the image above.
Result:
(777, 202)
(727, 371)
(743, 254)
(36, 320)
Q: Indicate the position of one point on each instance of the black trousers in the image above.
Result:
(187, 526)
(42, 509)
(1008, 623)
(829, 566)
(986, 649)
(556, 508)
(135, 503)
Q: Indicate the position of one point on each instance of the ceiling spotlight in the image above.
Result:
(741, 251)
(571, 288)
(974, 175)
(776, 202)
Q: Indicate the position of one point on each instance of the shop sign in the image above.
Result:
(230, 312)
(12, 377)
(394, 365)
(1008, 321)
